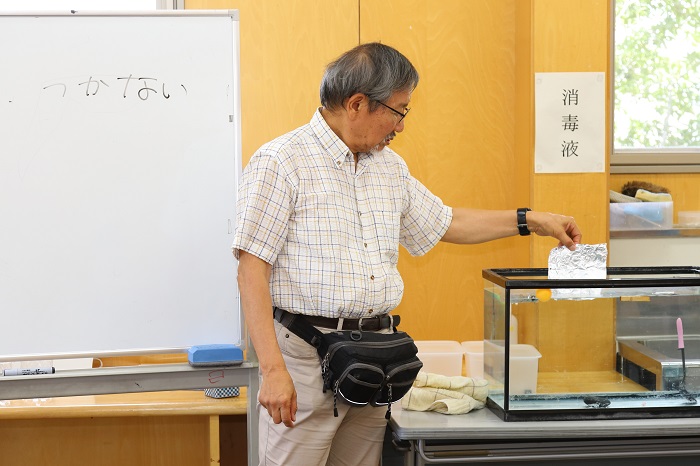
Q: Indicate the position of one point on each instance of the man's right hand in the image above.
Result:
(278, 396)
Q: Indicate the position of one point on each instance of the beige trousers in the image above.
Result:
(354, 438)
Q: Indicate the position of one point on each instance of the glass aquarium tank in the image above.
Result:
(621, 347)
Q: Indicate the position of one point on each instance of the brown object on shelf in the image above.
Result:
(630, 188)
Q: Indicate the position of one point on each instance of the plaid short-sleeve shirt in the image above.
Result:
(332, 230)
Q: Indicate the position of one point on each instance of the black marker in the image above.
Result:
(37, 371)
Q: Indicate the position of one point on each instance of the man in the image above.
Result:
(321, 213)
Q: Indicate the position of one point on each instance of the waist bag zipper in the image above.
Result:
(388, 407)
(335, 398)
(326, 373)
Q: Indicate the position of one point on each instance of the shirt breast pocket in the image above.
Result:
(388, 226)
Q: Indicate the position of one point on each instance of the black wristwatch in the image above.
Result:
(522, 221)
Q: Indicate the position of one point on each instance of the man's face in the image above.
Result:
(387, 120)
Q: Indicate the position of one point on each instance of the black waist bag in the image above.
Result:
(368, 367)
(361, 367)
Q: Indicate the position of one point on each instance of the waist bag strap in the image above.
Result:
(300, 327)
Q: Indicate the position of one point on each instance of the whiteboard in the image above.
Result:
(119, 161)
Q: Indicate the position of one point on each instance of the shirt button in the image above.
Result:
(365, 244)
(338, 162)
(370, 311)
(371, 277)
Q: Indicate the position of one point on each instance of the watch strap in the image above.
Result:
(522, 221)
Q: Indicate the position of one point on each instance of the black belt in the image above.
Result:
(365, 323)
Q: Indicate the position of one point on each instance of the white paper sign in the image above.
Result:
(569, 122)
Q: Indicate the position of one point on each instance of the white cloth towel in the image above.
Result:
(446, 395)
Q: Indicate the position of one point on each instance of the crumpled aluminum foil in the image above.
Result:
(587, 261)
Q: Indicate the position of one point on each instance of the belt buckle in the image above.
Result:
(378, 319)
(359, 322)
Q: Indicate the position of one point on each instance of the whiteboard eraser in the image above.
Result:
(215, 355)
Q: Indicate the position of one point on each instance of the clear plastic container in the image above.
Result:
(474, 358)
(689, 218)
(441, 356)
(641, 216)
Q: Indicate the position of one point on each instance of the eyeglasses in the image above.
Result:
(401, 115)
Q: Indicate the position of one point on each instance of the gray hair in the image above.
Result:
(373, 69)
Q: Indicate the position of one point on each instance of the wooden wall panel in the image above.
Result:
(572, 35)
(568, 334)
(284, 49)
(576, 336)
(459, 141)
(524, 106)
